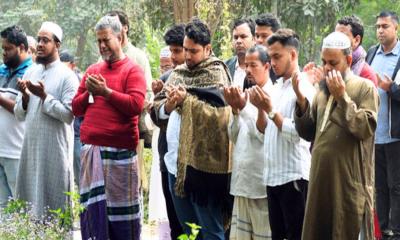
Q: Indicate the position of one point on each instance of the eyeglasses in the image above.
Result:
(45, 40)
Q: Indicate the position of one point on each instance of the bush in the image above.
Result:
(17, 221)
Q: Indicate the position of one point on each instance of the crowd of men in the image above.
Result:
(251, 148)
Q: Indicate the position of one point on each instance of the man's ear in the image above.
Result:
(357, 40)
(58, 45)
(125, 28)
(293, 53)
(349, 59)
(267, 66)
(22, 48)
(120, 37)
(208, 48)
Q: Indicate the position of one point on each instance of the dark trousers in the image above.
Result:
(387, 185)
(174, 224)
(286, 206)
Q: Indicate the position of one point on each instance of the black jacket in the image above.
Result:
(394, 96)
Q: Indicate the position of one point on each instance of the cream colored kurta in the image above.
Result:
(340, 194)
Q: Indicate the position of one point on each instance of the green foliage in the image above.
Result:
(148, 158)
(312, 20)
(17, 221)
(367, 10)
(15, 206)
(153, 47)
(71, 212)
(195, 230)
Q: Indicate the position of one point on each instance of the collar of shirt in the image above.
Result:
(283, 83)
(51, 65)
(268, 86)
(7, 71)
(237, 67)
(395, 51)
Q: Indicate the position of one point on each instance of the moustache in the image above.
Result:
(248, 83)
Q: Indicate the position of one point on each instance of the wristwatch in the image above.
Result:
(271, 115)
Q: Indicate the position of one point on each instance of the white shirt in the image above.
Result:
(240, 74)
(248, 160)
(173, 131)
(287, 156)
(12, 131)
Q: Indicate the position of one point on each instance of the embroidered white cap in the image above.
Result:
(336, 40)
(53, 28)
(165, 53)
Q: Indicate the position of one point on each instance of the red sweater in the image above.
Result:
(112, 122)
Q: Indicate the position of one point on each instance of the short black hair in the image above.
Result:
(198, 31)
(262, 53)
(67, 56)
(123, 17)
(355, 24)
(285, 36)
(16, 36)
(248, 21)
(175, 35)
(268, 20)
(390, 14)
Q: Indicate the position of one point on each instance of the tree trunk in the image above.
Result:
(184, 10)
(80, 48)
(274, 7)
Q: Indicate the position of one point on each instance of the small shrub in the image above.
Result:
(17, 221)
(195, 230)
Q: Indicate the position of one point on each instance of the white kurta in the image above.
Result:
(45, 169)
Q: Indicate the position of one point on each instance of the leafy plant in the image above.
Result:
(195, 230)
(18, 221)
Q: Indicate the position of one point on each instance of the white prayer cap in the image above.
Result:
(336, 40)
(31, 41)
(165, 53)
(53, 28)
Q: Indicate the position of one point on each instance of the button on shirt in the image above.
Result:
(384, 64)
(287, 155)
(248, 155)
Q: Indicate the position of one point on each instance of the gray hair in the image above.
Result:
(347, 51)
(109, 22)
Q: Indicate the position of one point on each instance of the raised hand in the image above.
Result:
(180, 95)
(235, 98)
(22, 86)
(37, 89)
(335, 84)
(301, 100)
(384, 83)
(175, 97)
(260, 99)
(314, 73)
(97, 85)
(157, 86)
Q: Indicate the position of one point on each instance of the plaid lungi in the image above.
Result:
(110, 194)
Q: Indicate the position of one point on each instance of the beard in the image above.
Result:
(44, 59)
(248, 83)
(13, 62)
(323, 86)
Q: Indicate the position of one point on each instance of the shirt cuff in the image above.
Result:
(46, 103)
